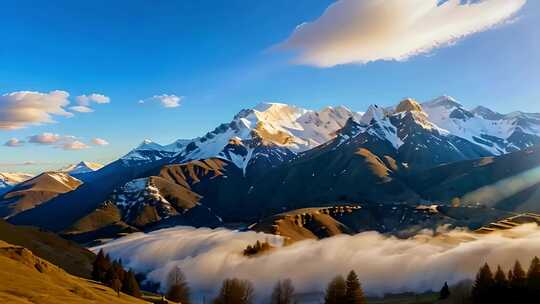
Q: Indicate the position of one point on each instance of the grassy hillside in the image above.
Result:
(66, 254)
(26, 278)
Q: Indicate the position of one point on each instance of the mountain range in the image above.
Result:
(276, 158)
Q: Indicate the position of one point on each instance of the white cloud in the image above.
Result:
(74, 145)
(84, 102)
(166, 100)
(14, 142)
(81, 109)
(99, 142)
(24, 108)
(362, 31)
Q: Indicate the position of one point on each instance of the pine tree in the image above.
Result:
(354, 293)
(500, 286)
(283, 292)
(336, 292)
(533, 278)
(517, 281)
(130, 285)
(178, 289)
(100, 266)
(116, 285)
(482, 288)
(445, 292)
(519, 278)
(235, 291)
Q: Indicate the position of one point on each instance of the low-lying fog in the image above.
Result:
(384, 264)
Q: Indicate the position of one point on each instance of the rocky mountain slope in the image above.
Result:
(508, 182)
(398, 219)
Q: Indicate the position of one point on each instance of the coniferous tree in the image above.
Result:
(483, 285)
(178, 289)
(500, 286)
(130, 285)
(100, 266)
(519, 277)
(116, 285)
(235, 291)
(336, 292)
(354, 293)
(533, 278)
(445, 292)
(283, 292)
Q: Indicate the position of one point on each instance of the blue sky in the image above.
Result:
(220, 57)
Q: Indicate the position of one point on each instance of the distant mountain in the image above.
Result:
(82, 167)
(35, 191)
(276, 158)
(8, 180)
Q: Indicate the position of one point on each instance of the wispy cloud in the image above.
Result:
(166, 100)
(65, 142)
(14, 142)
(362, 31)
(99, 142)
(74, 145)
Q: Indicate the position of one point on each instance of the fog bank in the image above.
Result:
(384, 264)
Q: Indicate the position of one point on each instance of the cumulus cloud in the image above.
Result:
(84, 102)
(99, 142)
(14, 142)
(424, 262)
(167, 101)
(362, 31)
(25, 108)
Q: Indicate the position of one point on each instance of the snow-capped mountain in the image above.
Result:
(82, 167)
(272, 132)
(493, 131)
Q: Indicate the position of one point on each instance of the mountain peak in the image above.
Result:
(443, 101)
(487, 113)
(82, 167)
(408, 105)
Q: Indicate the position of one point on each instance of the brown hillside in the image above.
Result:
(66, 254)
(26, 278)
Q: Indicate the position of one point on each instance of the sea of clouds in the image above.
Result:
(384, 264)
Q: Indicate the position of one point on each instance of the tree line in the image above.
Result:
(514, 286)
(340, 290)
(113, 274)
